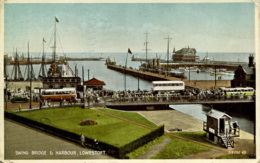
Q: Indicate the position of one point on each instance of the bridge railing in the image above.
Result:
(183, 98)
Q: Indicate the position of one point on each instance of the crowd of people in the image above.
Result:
(189, 94)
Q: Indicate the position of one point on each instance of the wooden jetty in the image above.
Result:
(33, 62)
(60, 61)
(85, 59)
(201, 84)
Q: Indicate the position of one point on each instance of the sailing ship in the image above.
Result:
(155, 67)
(58, 75)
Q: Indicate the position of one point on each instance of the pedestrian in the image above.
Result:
(61, 100)
(235, 127)
(40, 104)
(45, 102)
(82, 140)
(20, 107)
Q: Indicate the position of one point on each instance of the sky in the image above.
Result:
(115, 27)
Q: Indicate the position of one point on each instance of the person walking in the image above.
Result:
(40, 104)
(235, 127)
(20, 107)
(82, 140)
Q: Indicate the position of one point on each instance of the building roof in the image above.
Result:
(186, 50)
(248, 70)
(217, 114)
(94, 81)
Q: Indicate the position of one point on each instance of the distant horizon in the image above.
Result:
(133, 53)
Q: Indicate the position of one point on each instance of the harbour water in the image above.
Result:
(115, 80)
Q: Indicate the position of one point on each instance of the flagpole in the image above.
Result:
(125, 69)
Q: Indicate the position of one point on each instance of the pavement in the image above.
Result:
(22, 142)
(173, 119)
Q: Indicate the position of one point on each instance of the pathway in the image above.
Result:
(22, 138)
(155, 149)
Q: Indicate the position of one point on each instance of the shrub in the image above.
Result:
(141, 141)
(118, 152)
(88, 122)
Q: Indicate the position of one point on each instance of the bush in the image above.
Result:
(141, 141)
(88, 122)
(118, 152)
(19, 99)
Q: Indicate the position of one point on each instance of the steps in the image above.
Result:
(227, 142)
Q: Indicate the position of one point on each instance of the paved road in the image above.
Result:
(20, 140)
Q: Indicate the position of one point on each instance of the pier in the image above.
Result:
(230, 66)
(201, 84)
(34, 62)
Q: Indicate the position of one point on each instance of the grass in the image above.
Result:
(133, 116)
(199, 136)
(109, 129)
(176, 148)
(139, 151)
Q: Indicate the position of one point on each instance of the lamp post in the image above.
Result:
(6, 95)
(40, 99)
(129, 51)
(83, 87)
(189, 73)
(215, 77)
(31, 89)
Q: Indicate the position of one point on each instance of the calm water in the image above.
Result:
(245, 121)
(115, 80)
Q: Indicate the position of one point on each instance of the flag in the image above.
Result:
(129, 51)
(56, 20)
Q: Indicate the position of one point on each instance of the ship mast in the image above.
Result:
(42, 70)
(54, 48)
(29, 64)
(146, 48)
(16, 69)
(168, 38)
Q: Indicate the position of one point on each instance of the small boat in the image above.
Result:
(231, 73)
(173, 73)
(217, 74)
(193, 69)
(206, 69)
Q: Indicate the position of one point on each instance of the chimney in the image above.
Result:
(251, 61)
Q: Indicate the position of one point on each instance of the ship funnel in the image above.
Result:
(158, 62)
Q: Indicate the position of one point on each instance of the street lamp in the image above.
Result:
(6, 96)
